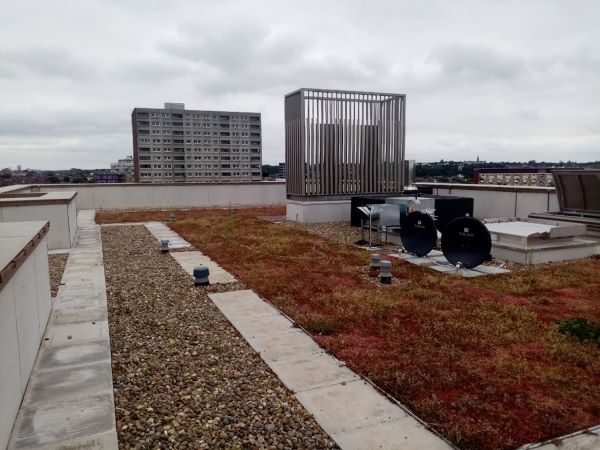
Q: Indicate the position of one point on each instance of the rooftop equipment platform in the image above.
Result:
(537, 241)
(578, 193)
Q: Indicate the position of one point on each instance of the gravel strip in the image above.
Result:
(56, 264)
(183, 377)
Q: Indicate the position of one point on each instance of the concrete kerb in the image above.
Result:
(69, 401)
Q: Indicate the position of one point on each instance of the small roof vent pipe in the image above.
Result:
(201, 276)
(375, 261)
(164, 246)
(385, 276)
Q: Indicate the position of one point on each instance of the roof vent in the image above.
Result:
(164, 246)
(201, 276)
(385, 276)
(375, 261)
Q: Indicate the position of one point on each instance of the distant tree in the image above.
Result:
(269, 171)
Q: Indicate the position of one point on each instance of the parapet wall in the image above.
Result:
(25, 306)
(500, 201)
(172, 195)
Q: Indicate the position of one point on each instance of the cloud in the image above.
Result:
(478, 63)
(518, 79)
(43, 62)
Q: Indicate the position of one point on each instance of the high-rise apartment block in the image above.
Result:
(178, 145)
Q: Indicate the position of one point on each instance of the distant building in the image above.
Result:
(178, 145)
(109, 177)
(124, 165)
(281, 170)
(522, 176)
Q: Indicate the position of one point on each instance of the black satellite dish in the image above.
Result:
(466, 241)
(418, 233)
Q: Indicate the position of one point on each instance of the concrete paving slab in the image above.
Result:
(84, 313)
(490, 270)
(312, 371)
(242, 306)
(345, 407)
(439, 258)
(59, 251)
(285, 347)
(60, 356)
(588, 439)
(161, 231)
(268, 325)
(444, 268)
(76, 332)
(192, 259)
(421, 261)
(404, 434)
(51, 424)
(69, 382)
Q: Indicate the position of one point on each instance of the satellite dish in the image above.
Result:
(418, 233)
(466, 241)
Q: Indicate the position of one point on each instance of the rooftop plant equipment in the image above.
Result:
(373, 214)
(339, 143)
(418, 233)
(466, 241)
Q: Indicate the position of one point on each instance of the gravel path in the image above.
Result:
(183, 377)
(56, 264)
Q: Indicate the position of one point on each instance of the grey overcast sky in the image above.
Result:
(505, 80)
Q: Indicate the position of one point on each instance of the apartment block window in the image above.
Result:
(143, 131)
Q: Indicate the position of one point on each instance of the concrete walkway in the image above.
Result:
(69, 400)
(160, 231)
(189, 260)
(348, 408)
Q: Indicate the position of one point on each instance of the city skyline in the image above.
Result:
(512, 82)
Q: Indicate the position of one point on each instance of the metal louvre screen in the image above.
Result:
(343, 142)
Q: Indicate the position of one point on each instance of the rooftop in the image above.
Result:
(296, 343)
(482, 361)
